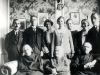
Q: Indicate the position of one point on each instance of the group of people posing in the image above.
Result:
(50, 51)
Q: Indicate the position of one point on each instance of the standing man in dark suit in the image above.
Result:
(13, 41)
(33, 36)
(94, 34)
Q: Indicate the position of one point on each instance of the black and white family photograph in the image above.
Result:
(50, 37)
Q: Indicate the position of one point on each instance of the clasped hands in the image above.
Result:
(90, 64)
(44, 50)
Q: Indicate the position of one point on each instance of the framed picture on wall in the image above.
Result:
(75, 16)
(23, 24)
(41, 18)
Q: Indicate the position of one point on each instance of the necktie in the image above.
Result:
(16, 33)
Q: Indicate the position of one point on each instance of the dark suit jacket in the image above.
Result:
(94, 38)
(34, 39)
(79, 42)
(29, 63)
(13, 45)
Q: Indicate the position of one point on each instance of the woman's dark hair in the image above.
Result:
(68, 20)
(14, 21)
(60, 18)
(48, 20)
(84, 20)
(92, 16)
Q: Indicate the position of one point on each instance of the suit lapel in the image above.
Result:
(19, 36)
(13, 36)
(38, 34)
(96, 34)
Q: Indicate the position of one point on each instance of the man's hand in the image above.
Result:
(90, 64)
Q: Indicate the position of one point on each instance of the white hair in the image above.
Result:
(26, 46)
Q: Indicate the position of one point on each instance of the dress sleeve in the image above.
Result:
(7, 42)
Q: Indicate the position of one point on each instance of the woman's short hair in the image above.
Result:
(48, 20)
(84, 20)
(60, 18)
(68, 20)
(94, 14)
(15, 21)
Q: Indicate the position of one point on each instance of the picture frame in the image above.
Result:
(23, 24)
(41, 18)
(75, 16)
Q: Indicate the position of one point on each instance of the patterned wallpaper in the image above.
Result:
(84, 7)
(25, 8)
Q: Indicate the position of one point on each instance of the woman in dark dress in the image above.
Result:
(48, 38)
(82, 35)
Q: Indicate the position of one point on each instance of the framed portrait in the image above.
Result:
(75, 16)
(41, 18)
(23, 24)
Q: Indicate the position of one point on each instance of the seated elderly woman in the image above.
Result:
(58, 64)
(29, 63)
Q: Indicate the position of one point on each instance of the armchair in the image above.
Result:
(9, 68)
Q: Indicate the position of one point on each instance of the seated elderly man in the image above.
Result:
(58, 64)
(28, 64)
(85, 64)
